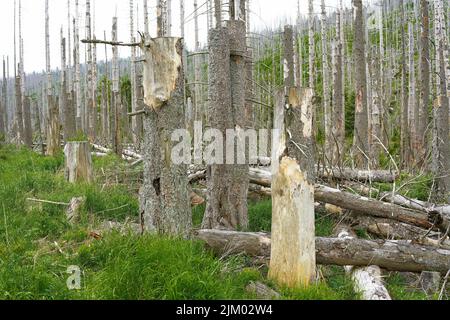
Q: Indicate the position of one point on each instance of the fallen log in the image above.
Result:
(358, 204)
(368, 280)
(389, 255)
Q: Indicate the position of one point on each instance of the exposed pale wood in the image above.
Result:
(78, 162)
(368, 280)
(73, 210)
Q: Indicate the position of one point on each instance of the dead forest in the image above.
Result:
(356, 94)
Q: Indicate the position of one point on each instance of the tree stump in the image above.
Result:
(78, 162)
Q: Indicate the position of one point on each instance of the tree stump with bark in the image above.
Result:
(78, 162)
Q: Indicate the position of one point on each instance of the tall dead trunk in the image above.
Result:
(28, 129)
(441, 147)
(134, 103)
(3, 106)
(63, 93)
(78, 97)
(311, 43)
(413, 106)
(164, 195)
(405, 137)
(338, 108)
(227, 201)
(115, 100)
(53, 127)
(361, 134)
(425, 82)
(329, 140)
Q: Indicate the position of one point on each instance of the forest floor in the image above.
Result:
(37, 244)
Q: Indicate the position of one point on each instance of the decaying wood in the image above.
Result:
(262, 291)
(164, 197)
(161, 71)
(293, 232)
(78, 162)
(73, 210)
(390, 255)
(368, 280)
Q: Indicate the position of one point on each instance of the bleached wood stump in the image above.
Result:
(78, 166)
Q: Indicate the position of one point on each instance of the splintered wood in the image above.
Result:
(78, 162)
(293, 247)
(161, 71)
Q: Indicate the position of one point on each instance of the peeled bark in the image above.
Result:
(403, 256)
(361, 134)
(165, 204)
(78, 162)
(53, 128)
(367, 281)
(292, 255)
(27, 127)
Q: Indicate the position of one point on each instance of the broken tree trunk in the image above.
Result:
(227, 201)
(78, 162)
(292, 254)
(390, 255)
(53, 129)
(367, 281)
(165, 204)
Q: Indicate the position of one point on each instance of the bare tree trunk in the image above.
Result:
(413, 106)
(311, 43)
(3, 106)
(361, 134)
(390, 255)
(78, 166)
(329, 141)
(115, 104)
(338, 110)
(425, 82)
(227, 201)
(53, 128)
(79, 112)
(63, 94)
(28, 129)
(405, 137)
(164, 195)
(441, 147)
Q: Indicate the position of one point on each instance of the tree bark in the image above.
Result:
(361, 134)
(400, 256)
(78, 162)
(368, 280)
(165, 204)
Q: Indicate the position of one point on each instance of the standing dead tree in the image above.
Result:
(361, 134)
(227, 184)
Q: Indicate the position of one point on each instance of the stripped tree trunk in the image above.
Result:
(425, 82)
(28, 129)
(78, 162)
(79, 110)
(293, 250)
(53, 128)
(338, 109)
(405, 137)
(441, 147)
(134, 103)
(311, 43)
(329, 140)
(361, 134)
(368, 280)
(115, 103)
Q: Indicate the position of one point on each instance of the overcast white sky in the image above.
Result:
(263, 13)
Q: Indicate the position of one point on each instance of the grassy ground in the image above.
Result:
(37, 245)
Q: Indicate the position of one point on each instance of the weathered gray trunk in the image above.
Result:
(164, 196)
(53, 128)
(425, 82)
(361, 134)
(28, 129)
(115, 99)
(227, 184)
(78, 167)
(389, 255)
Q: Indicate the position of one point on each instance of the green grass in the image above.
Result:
(37, 245)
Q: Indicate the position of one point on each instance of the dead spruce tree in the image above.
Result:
(165, 206)
(227, 183)
(361, 134)
(441, 147)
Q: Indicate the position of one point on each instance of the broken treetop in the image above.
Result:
(161, 70)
